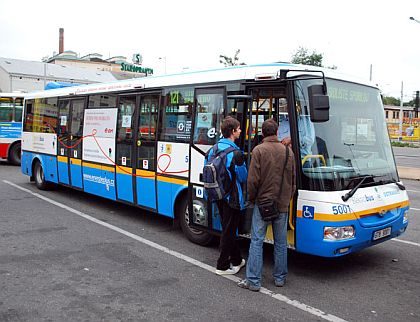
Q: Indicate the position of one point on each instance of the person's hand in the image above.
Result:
(249, 204)
(287, 141)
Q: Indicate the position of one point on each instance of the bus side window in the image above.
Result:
(177, 115)
(6, 114)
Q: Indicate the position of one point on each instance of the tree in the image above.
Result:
(389, 100)
(302, 56)
(228, 61)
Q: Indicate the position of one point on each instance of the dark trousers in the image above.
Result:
(229, 251)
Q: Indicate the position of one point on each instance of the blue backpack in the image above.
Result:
(216, 179)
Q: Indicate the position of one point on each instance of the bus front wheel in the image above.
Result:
(196, 236)
(39, 177)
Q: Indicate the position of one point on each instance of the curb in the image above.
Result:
(409, 173)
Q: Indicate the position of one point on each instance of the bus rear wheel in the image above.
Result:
(194, 235)
(39, 177)
(14, 154)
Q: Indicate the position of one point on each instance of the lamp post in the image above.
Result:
(415, 20)
(164, 60)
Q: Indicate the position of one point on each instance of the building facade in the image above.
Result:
(26, 76)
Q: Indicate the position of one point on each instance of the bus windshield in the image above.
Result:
(353, 144)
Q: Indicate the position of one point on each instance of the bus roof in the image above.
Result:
(15, 94)
(232, 73)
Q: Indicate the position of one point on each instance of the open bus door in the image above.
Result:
(210, 108)
(208, 113)
(274, 101)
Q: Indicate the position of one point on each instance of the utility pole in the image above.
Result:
(401, 110)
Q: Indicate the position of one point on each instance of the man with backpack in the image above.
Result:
(271, 185)
(224, 172)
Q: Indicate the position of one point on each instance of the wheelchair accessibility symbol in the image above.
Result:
(308, 212)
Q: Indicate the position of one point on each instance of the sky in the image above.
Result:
(357, 36)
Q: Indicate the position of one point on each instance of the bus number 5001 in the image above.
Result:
(341, 209)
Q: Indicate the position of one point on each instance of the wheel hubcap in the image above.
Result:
(199, 215)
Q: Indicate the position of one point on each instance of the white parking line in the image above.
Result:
(279, 297)
(417, 209)
(406, 242)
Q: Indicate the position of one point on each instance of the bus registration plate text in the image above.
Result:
(381, 233)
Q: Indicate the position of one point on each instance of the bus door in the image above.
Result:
(145, 150)
(272, 102)
(125, 160)
(69, 152)
(208, 113)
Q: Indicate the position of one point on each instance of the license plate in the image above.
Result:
(381, 233)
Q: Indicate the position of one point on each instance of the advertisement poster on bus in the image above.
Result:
(10, 130)
(40, 142)
(99, 135)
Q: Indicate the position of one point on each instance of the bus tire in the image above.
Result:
(39, 177)
(196, 236)
(14, 154)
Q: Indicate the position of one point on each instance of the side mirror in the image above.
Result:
(319, 104)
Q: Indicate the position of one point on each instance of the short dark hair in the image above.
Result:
(269, 127)
(228, 125)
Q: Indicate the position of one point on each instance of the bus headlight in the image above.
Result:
(338, 233)
(405, 217)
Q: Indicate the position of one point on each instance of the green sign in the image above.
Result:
(136, 69)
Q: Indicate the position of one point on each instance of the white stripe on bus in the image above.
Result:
(279, 297)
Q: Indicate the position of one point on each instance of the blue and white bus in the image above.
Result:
(143, 142)
(11, 106)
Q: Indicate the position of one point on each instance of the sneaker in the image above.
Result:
(246, 285)
(280, 283)
(229, 271)
(238, 267)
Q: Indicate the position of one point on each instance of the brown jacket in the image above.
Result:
(265, 170)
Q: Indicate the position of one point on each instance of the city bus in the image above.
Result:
(143, 141)
(11, 107)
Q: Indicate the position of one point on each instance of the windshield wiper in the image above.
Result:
(350, 194)
(400, 185)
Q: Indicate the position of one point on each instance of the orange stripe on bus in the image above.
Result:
(356, 215)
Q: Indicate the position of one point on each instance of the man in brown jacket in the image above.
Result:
(267, 181)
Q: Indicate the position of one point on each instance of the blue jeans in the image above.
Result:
(255, 258)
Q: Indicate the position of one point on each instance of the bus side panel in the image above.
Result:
(49, 164)
(165, 197)
(3, 150)
(125, 187)
(76, 173)
(98, 181)
(63, 170)
(26, 163)
(146, 193)
(168, 190)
